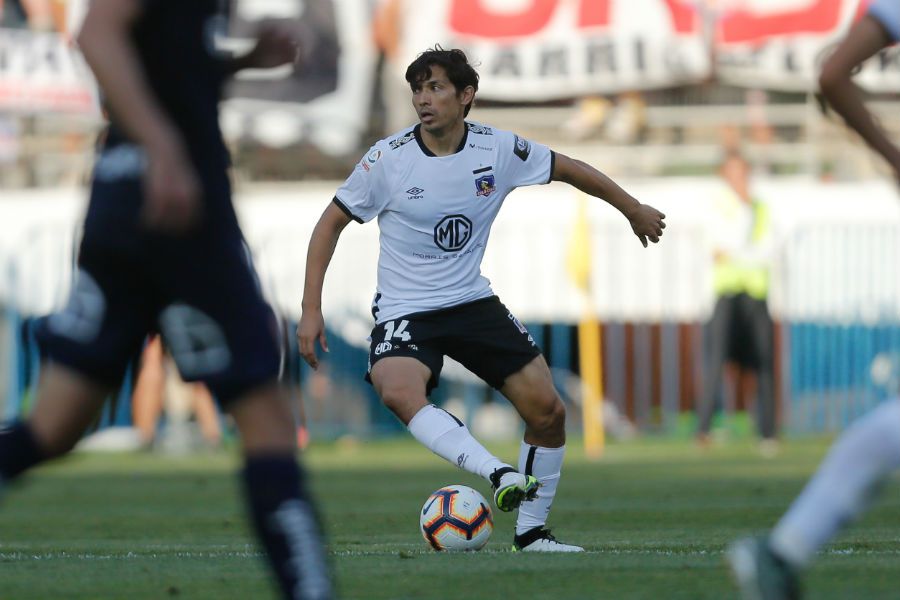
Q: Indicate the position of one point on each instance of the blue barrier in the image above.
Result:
(827, 378)
(831, 381)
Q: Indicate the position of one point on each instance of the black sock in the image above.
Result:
(18, 450)
(287, 526)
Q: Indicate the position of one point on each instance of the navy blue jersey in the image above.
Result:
(200, 288)
(175, 42)
(176, 47)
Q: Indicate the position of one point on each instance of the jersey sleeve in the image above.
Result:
(887, 12)
(524, 162)
(364, 194)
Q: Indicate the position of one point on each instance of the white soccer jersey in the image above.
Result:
(435, 212)
(887, 12)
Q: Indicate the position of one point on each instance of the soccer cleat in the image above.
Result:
(539, 539)
(760, 574)
(512, 488)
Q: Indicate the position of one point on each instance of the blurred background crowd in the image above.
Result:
(706, 109)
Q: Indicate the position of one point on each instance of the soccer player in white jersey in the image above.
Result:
(435, 189)
(767, 568)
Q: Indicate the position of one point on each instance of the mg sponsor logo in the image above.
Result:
(453, 232)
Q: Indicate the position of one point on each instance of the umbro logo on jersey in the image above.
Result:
(482, 129)
(394, 144)
(415, 193)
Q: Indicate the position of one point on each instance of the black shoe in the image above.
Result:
(760, 573)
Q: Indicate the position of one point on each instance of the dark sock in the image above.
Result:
(18, 450)
(287, 526)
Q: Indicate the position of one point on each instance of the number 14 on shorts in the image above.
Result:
(399, 333)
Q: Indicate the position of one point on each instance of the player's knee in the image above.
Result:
(398, 396)
(264, 419)
(550, 417)
(59, 445)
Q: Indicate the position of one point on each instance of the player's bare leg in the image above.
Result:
(401, 382)
(66, 404)
(282, 510)
(147, 398)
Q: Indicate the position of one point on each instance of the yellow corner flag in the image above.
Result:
(578, 257)
(590, 358)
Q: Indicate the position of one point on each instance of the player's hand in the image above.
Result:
(172, 191)
(310, 329)
(278, 44)
(647, 223)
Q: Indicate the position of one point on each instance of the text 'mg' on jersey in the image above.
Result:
(435, 212)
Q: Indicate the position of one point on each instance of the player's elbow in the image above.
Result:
(832, 78)
(84, 39)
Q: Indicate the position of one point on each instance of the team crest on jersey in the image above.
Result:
(484, 185)
(396, 143)
(476, 128)
(522, 148)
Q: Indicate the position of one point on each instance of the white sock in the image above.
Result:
(863, 456)
(545, 464)
(449, 438)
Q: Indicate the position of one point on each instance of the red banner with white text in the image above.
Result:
(782, 45)
(532, 50)
(40, 72)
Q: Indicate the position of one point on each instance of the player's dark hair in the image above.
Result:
(460, 73)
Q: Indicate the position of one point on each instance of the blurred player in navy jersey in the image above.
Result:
(435, 189)
(768, 568)
(162, 250)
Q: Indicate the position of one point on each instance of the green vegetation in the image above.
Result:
(654, 516)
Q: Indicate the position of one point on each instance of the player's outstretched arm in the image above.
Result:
(172, 190)
(277, 44)
(321, 248)
(646, 222)
(865, 39)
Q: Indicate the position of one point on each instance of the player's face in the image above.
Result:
(437, 102)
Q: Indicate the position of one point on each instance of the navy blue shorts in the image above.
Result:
(483, 336)
(200, 291)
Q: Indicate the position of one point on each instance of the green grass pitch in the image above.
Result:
(654, 516)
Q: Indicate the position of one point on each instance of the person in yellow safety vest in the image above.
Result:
(740, 329)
